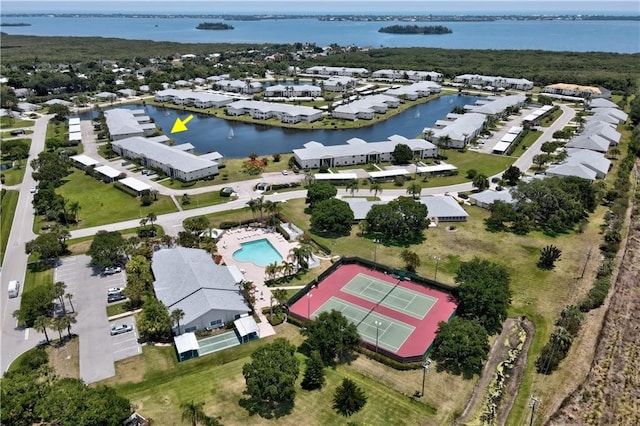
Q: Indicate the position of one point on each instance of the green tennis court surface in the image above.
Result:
(391, 333)
(393, 297)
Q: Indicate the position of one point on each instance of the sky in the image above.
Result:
(496, 7)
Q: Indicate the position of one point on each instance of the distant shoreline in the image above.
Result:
(408, 17)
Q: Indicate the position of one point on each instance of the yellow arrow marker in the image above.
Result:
(181, 125)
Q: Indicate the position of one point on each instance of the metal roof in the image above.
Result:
(443, 207)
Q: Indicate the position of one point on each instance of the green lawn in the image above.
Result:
(7, 211)
(548, 121)
(12, 123)
(206, 199)
(8, 134)
(217, 380)
(116, 308)
(14, 175)
(101, 203)
(36, 277)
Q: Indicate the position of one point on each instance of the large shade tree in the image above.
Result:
(333, 336)
(483, 293)
(400, 220)
(272, 373)
(320, 191)
(332, 216)
(461, 347)
(106, 248)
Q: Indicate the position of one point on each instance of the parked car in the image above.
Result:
(116, 297)
(110, 270)
(285, 172)
(114, 290)
(120, 328)
(33, 189)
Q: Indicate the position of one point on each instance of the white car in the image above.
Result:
(120, 328)
(110, 270)
(114, 290)
(285, 172)
(33, 190)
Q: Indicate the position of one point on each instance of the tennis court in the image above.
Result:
(392, 296)
(391, 333)
(403, 314)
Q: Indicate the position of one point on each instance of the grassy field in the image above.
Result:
(539, 295)
(547, 121)
(206, 199)
(7, 211)
(157, 384)
(35, 278)
(4, 135)
(101, 203)
(9, 123)
(14, 175)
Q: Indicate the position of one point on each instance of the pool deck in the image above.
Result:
(231, 241)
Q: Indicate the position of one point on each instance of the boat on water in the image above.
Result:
(417, 115)
(231, 134)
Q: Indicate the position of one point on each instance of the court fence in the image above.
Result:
(367, 347)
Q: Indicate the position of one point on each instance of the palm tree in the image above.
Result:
(69, 296)
(176, 316)
(253, 205)
(143, 222)
(67, 321)
(287, 268)
(301, 255)
(193, 412)
(151, 217)
(445, 141)
(614, 152)
(41, 323)
(271, 269)
(352, 186)
(481, 182)
(58, 292)
(74, 206)
(58, 325)
(414, 189)
(155, 193)
(375, 187)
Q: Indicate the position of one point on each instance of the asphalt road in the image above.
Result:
(15, 341)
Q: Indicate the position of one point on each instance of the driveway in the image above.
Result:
(89, 290)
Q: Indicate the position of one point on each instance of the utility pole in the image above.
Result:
(534, 401)
(586, 262)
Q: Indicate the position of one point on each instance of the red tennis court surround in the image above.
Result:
(424, 328)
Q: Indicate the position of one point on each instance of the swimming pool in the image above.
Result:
(259, 252)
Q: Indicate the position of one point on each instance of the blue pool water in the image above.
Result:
(259, 252)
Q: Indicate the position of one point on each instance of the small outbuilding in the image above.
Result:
(187, 346)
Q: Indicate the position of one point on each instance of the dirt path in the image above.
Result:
(499, 352)
(610, 395)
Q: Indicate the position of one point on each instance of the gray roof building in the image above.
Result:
(484, 199)
(497, 105)
(572, 169)
(444, 209)
(592, 142)
(124, 123)
(189, 279)
(602, 103)
(596, 161)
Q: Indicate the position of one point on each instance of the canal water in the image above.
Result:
(239, 140)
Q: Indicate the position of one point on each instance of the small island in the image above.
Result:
(414, 29)
(214, 26)
(14, 24)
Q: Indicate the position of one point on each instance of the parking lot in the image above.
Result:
(89, 288)
(125, 345)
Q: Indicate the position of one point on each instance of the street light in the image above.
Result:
(437, 259)
(377, 324)
(425, 367)
(309, 296)
(375, 252)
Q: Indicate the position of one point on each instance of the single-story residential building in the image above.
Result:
(106, 96)
(27, 107)
(173, 162)
(593, 160)
(127, 93)
(208, 294)
(489, 80)
(458, 130)
(337, 71)
(58, 102)
(572, 169)
(592, 142)
(617, 116)
(601, 103)
(604, 130)
(125, 123)
(444, 209)
(265, 110)
(484, 199)
(406, 75)
(285, 91)
(360, 207)
(357, 151)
